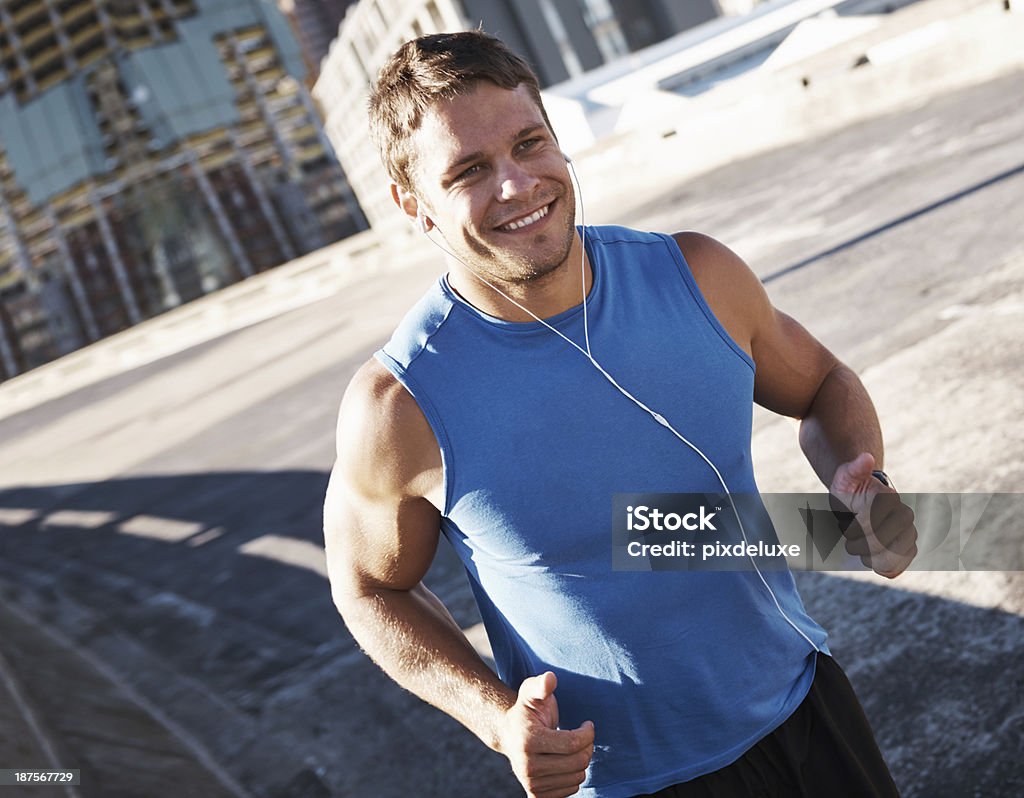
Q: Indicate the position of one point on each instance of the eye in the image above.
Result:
(528, 144)
(467, 173)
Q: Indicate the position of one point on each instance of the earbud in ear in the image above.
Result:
(421, 223)
(566, 156)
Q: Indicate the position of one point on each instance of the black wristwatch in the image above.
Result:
(882, 477)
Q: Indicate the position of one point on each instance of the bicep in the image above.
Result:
(380, 530)
(375, 541)
(791, 364)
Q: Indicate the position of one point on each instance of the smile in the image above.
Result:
(536, 216)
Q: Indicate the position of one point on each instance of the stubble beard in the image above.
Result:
(519, 269)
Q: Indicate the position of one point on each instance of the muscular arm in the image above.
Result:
(381, 528)
(381, 532)
(796, 376)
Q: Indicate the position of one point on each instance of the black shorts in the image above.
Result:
(825, 748)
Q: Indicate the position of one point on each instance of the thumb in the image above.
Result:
(535, 689)
(536, 695)
(860, 467)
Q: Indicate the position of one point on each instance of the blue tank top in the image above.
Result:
(681, 672)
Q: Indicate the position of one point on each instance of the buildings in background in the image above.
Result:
(151, 151)
(315, 23)
(562, 39)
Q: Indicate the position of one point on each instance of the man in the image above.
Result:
(506, 411)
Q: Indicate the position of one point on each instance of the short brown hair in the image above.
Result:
(431, 68)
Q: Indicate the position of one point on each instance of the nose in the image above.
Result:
(516, 181)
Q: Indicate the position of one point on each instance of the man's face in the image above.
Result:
(491, 177)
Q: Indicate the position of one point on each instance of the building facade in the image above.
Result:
(561, 39)
(315, 23)
(151, 151)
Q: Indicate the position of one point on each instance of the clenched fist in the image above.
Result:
(882, 531)
(549, 762)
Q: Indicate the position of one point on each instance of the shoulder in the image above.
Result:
(385, 445)
(731, 289)
(714, 265)
(422, 321)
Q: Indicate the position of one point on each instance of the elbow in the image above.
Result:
(357, 598)
(346, 590)
(837, 374)
(345, 585)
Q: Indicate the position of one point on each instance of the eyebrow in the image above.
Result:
(473, 156)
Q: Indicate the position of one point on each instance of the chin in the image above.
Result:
(525, 268)
(548, 257)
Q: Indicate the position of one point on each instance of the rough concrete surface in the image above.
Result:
(160, 541)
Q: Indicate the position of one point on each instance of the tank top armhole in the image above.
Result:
(433, 419)
(698, 298)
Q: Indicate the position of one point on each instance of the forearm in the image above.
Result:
(840, 425)
(414, 639)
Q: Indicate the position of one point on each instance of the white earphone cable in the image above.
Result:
(660, 419)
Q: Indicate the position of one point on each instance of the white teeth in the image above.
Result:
(533, 217)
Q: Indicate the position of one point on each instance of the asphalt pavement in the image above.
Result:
(160, 529)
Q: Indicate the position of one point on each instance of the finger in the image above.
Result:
(896, 559)
(865, 546)
(856, 539)
(872, 549)
(560, 778)
(562, 741)
(893, 525)
(565, 793)
(894, 539)
(558, 765)
(558, 792)
(906, 541)
(901, 552)
(566, 784)
(894, 566)
(859, 545)
(883, 521)
(901, 541)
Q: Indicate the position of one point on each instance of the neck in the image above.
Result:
(545, 296)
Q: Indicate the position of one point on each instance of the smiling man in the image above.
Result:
(551, 368)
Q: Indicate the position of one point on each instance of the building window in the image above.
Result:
(600, 18)
(359, 62)
(379, 25)
(435, 17)
(565, 49)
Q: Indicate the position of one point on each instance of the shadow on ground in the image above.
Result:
(207, 594)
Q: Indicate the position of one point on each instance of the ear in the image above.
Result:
(410, 205)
